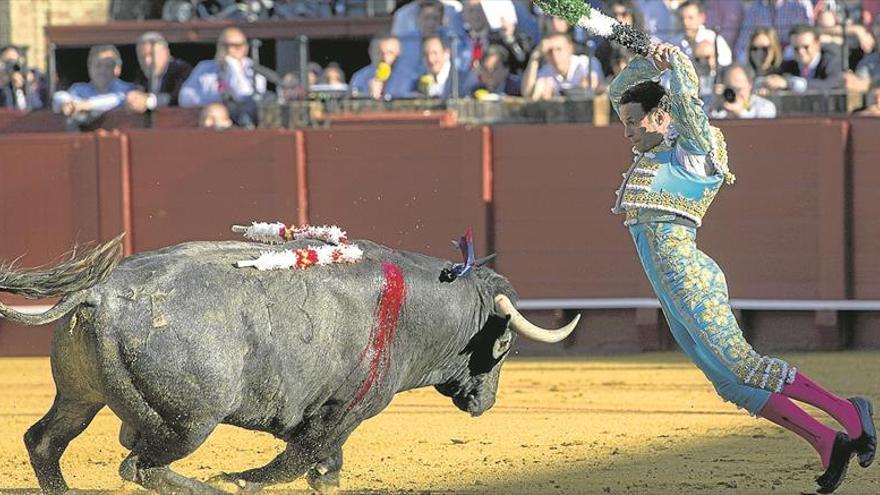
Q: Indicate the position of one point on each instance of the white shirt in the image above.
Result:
(759, 108)
(101, 102)
(207, 85)
(579, 70)
(436, 88)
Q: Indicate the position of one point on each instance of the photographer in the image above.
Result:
(735, 99)
(21, 88)
(562, 71)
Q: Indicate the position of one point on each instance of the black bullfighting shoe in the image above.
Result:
(840, 454)
(866, 445)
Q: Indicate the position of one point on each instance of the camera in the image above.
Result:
(10, 66)
(729, 95)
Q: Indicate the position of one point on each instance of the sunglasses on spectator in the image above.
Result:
(231, 44)
(759, 49)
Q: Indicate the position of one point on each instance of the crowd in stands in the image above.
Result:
(490, 49)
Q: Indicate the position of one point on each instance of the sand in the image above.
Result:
(645, 424)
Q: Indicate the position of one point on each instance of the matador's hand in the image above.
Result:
(661, 54)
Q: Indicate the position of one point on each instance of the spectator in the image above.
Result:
(814, 67)
(215, 116)
(765, 52)
(21, 87)
(625, 13)
(291, 88)
(480, 34)
(406, 18)
(659, 17)
(856, 41)
(229, 75)
(432, 22)
(166, 75)
(315, 71)
(83, 102)
(332, 78)
(619, 59)
(706, 67)
(494, 76)
(694, 32)
(229, 78)
(437, 81)
(782, 15)
(562, 70)
(736, 99)
(867, 73)
(725, 16)
(383, 78)
(873, 108)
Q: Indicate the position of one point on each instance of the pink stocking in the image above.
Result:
(785, 413)
(842, 410)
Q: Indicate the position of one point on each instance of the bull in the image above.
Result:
(178, 340)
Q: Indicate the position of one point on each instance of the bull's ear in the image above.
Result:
(482, 346)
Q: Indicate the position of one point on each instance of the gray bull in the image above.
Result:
(178, 340)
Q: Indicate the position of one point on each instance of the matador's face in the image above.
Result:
(644, 130)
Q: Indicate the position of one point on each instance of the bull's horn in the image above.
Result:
(522, 326)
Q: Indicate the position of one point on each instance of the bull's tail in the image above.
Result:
(69, 278)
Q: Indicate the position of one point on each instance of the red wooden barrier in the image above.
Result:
(193, 184)
(411, 188)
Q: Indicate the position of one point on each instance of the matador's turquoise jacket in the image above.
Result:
(664, 194)
(659, 180)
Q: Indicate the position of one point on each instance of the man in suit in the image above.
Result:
(437, 81)
(814, 67)
(159, 77)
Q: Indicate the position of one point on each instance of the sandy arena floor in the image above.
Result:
(647, 424)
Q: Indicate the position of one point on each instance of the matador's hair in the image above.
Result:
(648, 94)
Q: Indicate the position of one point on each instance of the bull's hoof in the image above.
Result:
(326, 483)
(230, 482)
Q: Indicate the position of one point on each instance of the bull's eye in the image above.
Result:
(501, 345)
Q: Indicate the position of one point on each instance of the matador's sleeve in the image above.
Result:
(686, 107)
(639, 69)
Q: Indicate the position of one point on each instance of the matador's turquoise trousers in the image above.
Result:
(693, 294)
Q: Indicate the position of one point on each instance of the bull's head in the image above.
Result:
(487, 350)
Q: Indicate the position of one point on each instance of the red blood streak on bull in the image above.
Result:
(382, 333)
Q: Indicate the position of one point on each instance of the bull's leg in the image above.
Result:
(316, 449)
(323, 477)
(128, 436)
(47, 439)
(147, 465)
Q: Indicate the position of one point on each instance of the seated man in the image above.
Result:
(814, 67)
(867, 73)
(432, 21)
(481, 34)
(159, 77)
(694, 32)
(229, 78)
(83, 102)
(562, 69)
(737, 101)
(383, 78)
(493, 74)
(437, 81)
(21, 87)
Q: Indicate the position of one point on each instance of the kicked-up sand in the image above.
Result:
(644, 424)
